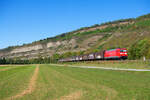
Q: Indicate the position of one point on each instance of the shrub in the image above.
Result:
(140, 49)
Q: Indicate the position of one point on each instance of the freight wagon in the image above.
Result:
(112, 54)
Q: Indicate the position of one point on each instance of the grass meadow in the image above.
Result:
(52, 82)
(131, 64)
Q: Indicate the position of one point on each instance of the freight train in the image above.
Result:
(112, 54)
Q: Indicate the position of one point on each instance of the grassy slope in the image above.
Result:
(137, 31)
(55, 83)
(122, 36)
(118, 36)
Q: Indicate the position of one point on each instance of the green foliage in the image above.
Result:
(147, 16)
(39, 60)
(97, 49)
(140, 49)
(143, 23)
(99, 31)
(55, 57)
(2, 61)
(118, 21)
(100, 47)
(71, 54)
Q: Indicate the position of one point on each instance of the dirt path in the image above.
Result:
(31, 86)
(72, 96)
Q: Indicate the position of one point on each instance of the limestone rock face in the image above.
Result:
(26, 49)
(53, 44)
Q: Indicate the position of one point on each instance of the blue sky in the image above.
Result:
(25, 21)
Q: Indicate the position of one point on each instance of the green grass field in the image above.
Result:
(51, 82)
(131, 64)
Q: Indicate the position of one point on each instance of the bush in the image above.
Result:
(140, 49)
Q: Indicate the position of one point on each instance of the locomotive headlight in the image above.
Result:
(121, 53)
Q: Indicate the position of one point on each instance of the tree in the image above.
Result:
(140, 49)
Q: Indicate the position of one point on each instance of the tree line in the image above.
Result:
(24, 61)
(40, 60)
(140, 49)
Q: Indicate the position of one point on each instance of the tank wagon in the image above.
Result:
(112, 54)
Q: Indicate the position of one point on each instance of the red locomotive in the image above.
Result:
(118, 53)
